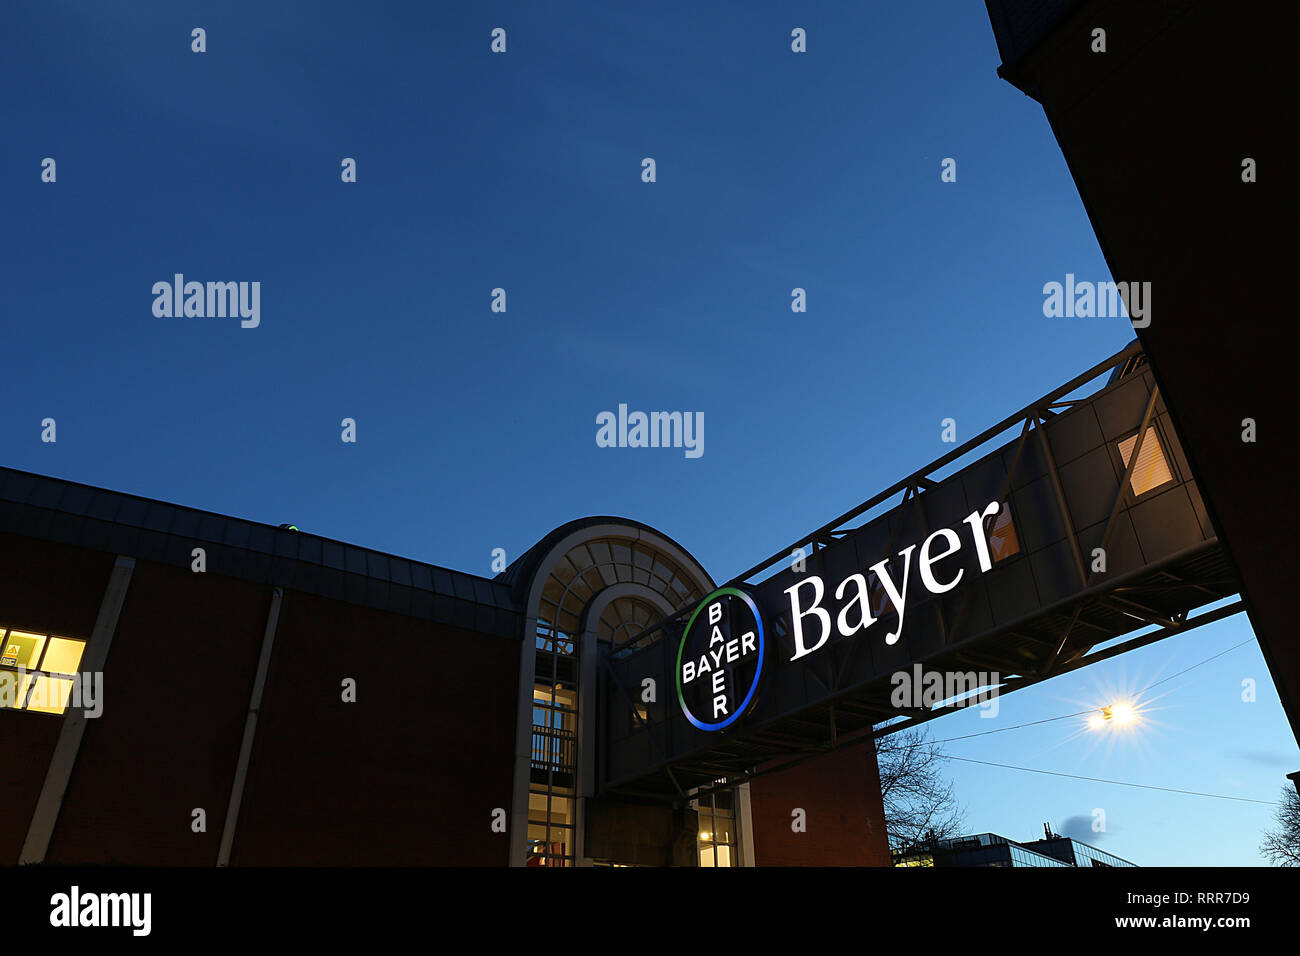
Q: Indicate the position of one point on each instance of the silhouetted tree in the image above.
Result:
(1282, 846)
(920, 805)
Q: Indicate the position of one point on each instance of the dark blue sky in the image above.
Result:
(476, 430)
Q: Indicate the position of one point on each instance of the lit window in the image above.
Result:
(717, 835)
(22, 650)
(62, 656)
(36, 670)
(1152, 469)
(49, 694)
(1003, 542)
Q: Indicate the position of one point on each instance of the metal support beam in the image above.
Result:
(1122, 493)
(250, 730)
(49, 803)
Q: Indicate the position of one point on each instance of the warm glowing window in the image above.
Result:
(22, 650)
(551, 805)
(1003, 542)
(1152, 468)
(717, 837)
(36, 670)
(49, 694)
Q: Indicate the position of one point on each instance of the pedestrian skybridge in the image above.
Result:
(1099, 543)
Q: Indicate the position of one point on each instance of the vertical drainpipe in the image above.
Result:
(50, 801)
(250, 728)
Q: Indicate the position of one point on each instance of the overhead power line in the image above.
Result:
(1117, 783)
(1048, 720)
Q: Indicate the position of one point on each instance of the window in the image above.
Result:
(551, 639)
(1001, 531)
(717, 840)
(1152, 468)
(37, 670)
(551, 804)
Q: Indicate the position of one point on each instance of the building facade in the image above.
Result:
(990, 849)
(185, 688)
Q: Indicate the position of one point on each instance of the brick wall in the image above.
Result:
(844, 816)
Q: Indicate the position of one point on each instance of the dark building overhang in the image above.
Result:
(1155, 132)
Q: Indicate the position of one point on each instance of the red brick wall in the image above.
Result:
(845, 818)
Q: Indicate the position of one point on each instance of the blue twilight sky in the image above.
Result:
(476, 430)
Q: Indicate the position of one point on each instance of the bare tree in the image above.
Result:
(1282, 846)
(919, 801)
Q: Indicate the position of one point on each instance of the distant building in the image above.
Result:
(990, 849)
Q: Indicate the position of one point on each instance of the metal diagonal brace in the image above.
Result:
(1128, 474)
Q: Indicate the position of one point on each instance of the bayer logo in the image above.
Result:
(720, 659)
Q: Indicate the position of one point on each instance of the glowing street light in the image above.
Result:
(1120, 714)
(1123, 713)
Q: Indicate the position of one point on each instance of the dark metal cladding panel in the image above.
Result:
(77, 499)
(355, 560)
(235, 533)
(185, 523)
(46, 495)
(18, 486)
(1122, 552)
(421, 577)
(1090, 484)
(1165, 522)
(1120, 408)
(401, 572)
(334, 556)
(946, 504)
(285, 544)
(132, 512)
(1038, 499)
(442, 582)
(1031, 466)
(158, 516)
(1056, 575)
(1073, 433)
(310, 549)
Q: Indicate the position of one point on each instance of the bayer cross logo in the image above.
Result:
(720, 659)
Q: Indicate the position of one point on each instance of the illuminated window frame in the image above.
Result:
(712, 851)
(1153, 469)
(552, 831)
(1003, 525)
(40, 673)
